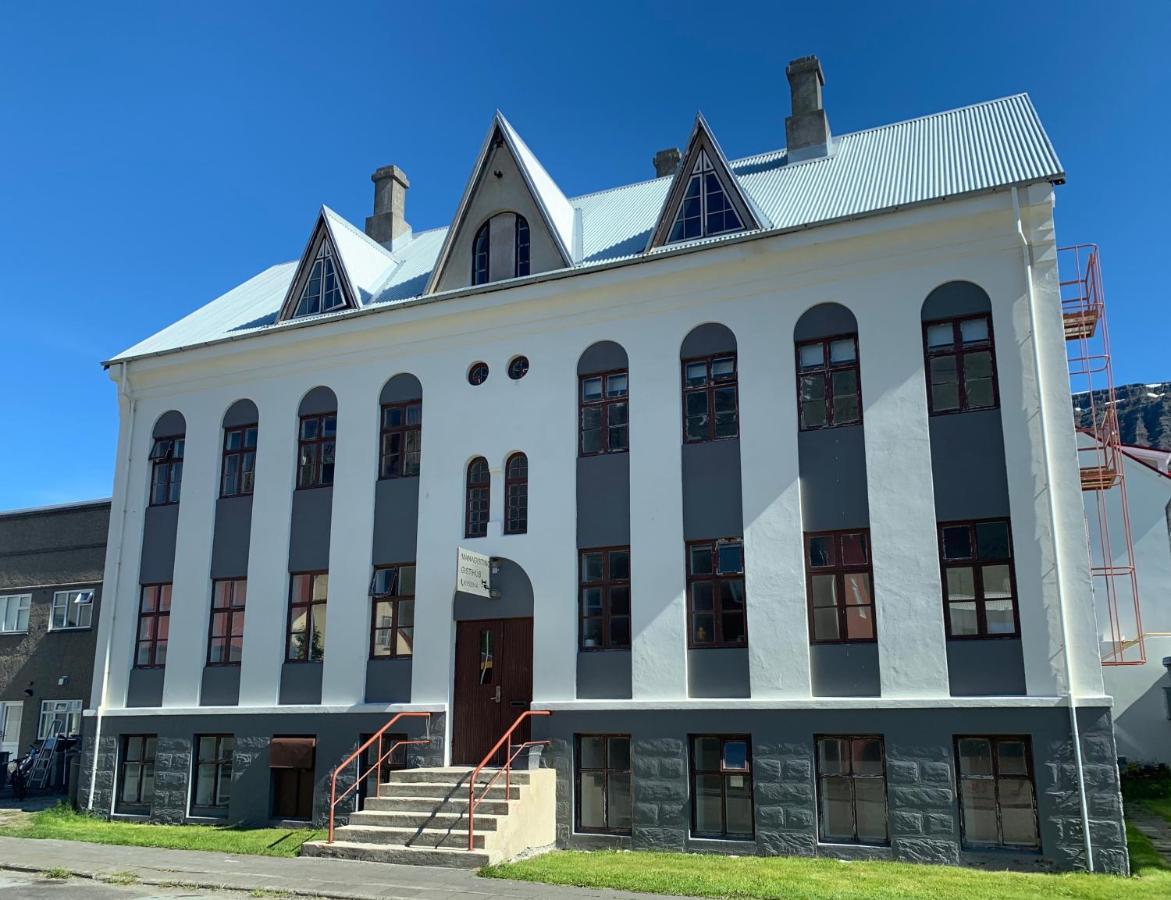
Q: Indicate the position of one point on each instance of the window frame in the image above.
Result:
(827, 370)
(71, 711)
(579, 769)
(485, 253)
(166, 457)
(54, 606)
(1030, 776)
(232, 611)
(157, 615)
(24, 605)
(221, 772)
(977, 564)
(839, 569)
(521, 223)
(145, 766)
(323, 259)
(473, 528)
(705, 169)
(309, 606)
(406, 429)
(516, 495)
(320, 441)
(604, 403)
(822, 838)
(956, 349)
(746, 772)
(716, 578)
(241, 454)
(605, 584)
(395, 600)
(709, 389)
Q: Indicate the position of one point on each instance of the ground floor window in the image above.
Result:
(851, 790)
(213, 774)
(136, 773)
(998, 804)
(604, 800)
(59, 718)
(721, 786)
(292, 760)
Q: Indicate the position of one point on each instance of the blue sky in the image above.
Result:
(156, 154)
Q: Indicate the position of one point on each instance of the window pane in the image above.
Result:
(591, 601)
(739, 805)
(961, 583)
(619, 805)
(619, 565)
(701, 559)
(957, 542)
(975, 756)
(962, 618)
(866, 756)
(709, 818)
(832, 756)
(725, 400)
(592, 633)
(735, 755)
(837, 812)
(620, 601)
(859, 623)
(593, 752)
(821, 551)
(811, 356)
(619, 748)
(825, 625)
(702, 594)
(854, 550)
(977, 799)
(730, 558)
(870, 810)
(696, 403)
(973, 330)
(824, 589)
(842, 351)
(945, 394)
(992, 540)
(723, 369)
(704, 629)
(940, 335)
(696, 374)
(617, 385)
(999, 616)
(707, 754)
(997, 582)
(592, 811)
(592, 566)
(857, 585)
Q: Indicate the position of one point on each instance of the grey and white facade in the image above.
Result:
(759, 402)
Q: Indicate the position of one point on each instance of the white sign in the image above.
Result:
(473, 573)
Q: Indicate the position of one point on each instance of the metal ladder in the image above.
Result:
(38, 776)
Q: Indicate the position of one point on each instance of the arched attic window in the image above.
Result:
(706, 209)
(322, 292)
(482, 269)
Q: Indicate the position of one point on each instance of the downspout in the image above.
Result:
(1067, 649)
(112, 601)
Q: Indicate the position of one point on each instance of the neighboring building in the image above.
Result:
(50, 597)
(774, 461)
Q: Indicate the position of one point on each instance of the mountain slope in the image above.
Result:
(1144, 413)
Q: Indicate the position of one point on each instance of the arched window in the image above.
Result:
(522, 246)
(516, 494)
(483, 269)
(479, 492)
(480, 255)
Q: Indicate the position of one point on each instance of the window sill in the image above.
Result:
(236, 496)
(2, 633)
(71, 628)
(956, 412)
(312, 487)
(713, 839)
(847, 642)
(625, 649)
(730, 437)
(743, 646)
(962, 638)
(395, 656)
(146, 668)
(398, 477)
(159, 505)
(222, 665)
(840, 845)
(304, 662)
(607, 453)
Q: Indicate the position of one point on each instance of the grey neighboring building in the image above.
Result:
(51, 561)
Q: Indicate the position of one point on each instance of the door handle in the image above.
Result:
(497, 697)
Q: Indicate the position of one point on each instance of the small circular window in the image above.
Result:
(518, 368)
(478, 373)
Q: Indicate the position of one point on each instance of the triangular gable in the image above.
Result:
(704, 175)
(555, 209)
(339, 269)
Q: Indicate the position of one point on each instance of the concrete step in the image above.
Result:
(449, 775)
(371, 819)
(406, 856)
(455, 838)
(426, 804)
(445, 791)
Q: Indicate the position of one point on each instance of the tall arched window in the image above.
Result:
(516, 266)
(480, 255)
(516, 494)
(478, 496)
(522, 246)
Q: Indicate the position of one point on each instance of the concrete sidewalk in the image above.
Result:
(307, 877)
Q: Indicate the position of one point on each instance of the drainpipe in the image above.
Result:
(1067, 649)
(112, 602)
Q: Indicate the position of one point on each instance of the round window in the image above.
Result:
(478, 373)
(518, 368)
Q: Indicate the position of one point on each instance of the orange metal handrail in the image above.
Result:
(334, 799)
(507, 769)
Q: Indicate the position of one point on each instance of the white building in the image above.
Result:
(774, 461)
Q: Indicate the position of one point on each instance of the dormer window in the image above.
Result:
(322, 292)
(480, 255)
(706, 209)
(511, 231)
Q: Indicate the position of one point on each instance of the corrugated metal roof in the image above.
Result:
(964, 151)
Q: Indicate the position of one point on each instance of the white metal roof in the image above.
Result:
(964, 151)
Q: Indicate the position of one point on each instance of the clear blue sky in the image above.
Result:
(156, 154)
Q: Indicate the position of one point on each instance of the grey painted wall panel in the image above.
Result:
(956, 298)
(170, 424)
(824, 320)
(388, 680)
(233, 531)
(845, 670)
(159, 529)
(318, 401)
(968, 466)
(832, 463)
(401, 388)
(708, 339)
(309, 532)
(604, 356)
(718, 672)
(301, 683)
(603, 500)
(220, 686)
(711, 490)
(240, 413)
(145, 687)
(396, 520)
(994, 667)
(604, 675)
(515, 600)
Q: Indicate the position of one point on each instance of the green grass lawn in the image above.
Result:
(63, 823)
(769, 878)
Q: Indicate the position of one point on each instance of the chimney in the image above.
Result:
(666, 162)
(807, 129)
(388, 225)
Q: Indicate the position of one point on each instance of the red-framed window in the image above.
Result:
(225, 642)
(166, 476)
(392, 611)
(716, 602)
(308, 593)
(154, 626)
(213, 774)
(961, 364)
(604, 413)
(318, 442)
(840, 584)
(829, 389)
(979, 579)
(136, 773)
(721, 787)
(605, 598)
(851, 790)
(239, 464)
(477, 498)
(604, 799)
(401, 440)
(516, 494)
(998, 799)
(710, 400)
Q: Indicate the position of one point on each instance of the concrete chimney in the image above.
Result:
(389, 225)
(666, 162)
(807, 130)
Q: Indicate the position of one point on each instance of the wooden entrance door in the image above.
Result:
(493, 685)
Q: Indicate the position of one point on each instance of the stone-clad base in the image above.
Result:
(924, 817)
(337, 736)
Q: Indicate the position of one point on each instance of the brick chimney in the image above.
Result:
(807, 132)
(389, 225)
(666, 162)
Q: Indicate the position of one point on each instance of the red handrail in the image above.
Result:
(507, 769)
(334, 799)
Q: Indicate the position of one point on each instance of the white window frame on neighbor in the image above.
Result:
(66, 711)
(61, 604)
(10, 620)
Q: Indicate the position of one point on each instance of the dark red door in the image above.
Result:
(493, 685)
